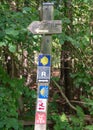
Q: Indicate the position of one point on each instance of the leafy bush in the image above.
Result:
(10, 91)
(61, 122)
(75, 122)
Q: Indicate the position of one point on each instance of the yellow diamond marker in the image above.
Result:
(44, 60)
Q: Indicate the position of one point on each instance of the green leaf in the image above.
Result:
(12, 123)
(89, 127)
(2, 123)
(80, 112)
(62, 38)
(12, 48)
(2, 44)
(12, 32)
(86, 1)
(26, 9)
(63, 118)
(66, 20)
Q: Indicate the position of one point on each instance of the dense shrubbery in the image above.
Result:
(10, 91)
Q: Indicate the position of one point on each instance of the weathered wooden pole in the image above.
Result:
(47, 14)
(46, 27)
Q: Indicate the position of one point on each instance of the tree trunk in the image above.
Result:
(66, 63)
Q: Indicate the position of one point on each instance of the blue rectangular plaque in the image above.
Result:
(43, 92)
(44, 60)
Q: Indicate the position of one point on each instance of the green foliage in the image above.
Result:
(53, 106)
(29, 104)
(76, 122)
(13, 27)
(82, 78)
(89, 127)
(13, 33)
(88, 104)
(11, 90)
(61, 122)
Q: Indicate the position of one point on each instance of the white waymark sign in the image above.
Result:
(41, 105)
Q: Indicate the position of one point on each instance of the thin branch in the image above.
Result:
(63, 95)
(80, 102)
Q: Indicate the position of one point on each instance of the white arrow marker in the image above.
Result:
(45, 27)
(41, 31)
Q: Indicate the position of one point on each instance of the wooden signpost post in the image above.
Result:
(46, 27)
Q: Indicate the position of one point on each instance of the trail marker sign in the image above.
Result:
(41, 105)
(45, 27)
(43, 73)
(40, 118)
(44, 60)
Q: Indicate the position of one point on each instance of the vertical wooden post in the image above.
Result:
(47, 14)
(46, 27)
(46, 39)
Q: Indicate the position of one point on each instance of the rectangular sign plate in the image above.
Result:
(44, 60)
(43, 73)
(41, 105)
(46, 27)
(43, 92)
(40, 118)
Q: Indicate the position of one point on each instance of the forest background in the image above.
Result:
(71, 89)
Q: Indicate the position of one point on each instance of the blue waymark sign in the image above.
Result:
(43, 92)
(44, 60)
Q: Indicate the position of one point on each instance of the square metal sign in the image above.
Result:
(44, 60)
(43, 73)
(43, 92)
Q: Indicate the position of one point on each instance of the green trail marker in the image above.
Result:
(46, 27)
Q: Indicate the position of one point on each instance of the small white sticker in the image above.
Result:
(41, 105)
